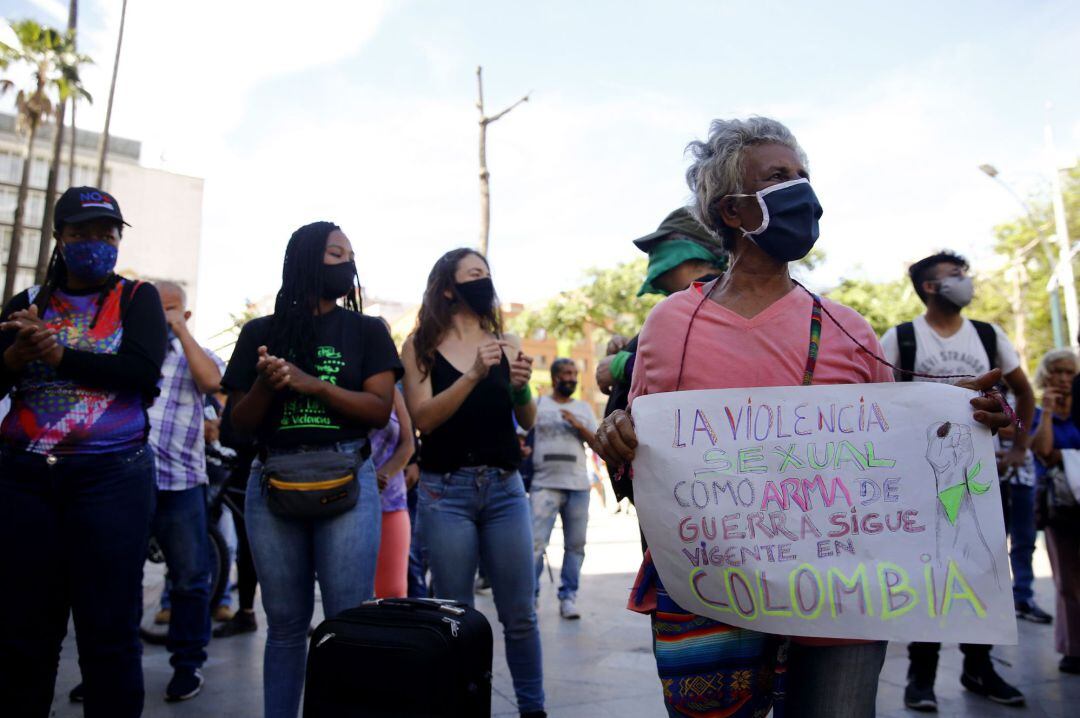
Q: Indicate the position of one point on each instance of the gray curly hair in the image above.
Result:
(1042, 374)
(718, 164)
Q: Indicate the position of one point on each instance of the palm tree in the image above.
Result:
(45, 245)
(73, 24)
(43, 50)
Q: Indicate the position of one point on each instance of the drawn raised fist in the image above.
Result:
(949, 447)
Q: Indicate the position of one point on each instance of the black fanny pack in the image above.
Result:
(311, 485)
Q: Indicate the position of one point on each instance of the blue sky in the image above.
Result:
(363, 113)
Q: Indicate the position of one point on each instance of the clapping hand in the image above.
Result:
(273, 371)
(34, 340)
(488, 354)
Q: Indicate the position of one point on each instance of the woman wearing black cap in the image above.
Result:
(81, 360)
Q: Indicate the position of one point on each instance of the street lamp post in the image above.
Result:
(1065, 275)
(1052, 289)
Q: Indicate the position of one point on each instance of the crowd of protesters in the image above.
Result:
(423, 469)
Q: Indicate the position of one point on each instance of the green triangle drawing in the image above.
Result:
(950, 499)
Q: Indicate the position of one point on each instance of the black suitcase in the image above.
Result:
(405, 658)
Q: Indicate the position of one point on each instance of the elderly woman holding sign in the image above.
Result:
(754, 327)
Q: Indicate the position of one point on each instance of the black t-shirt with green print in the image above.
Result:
(351, 348)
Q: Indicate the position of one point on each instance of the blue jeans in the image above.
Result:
(289, 554)
(827, 681)
(76, 530)
(418, 564)
(481, 515)
(1020, 524)
(227, 526)
(573, 506)
(180, 528)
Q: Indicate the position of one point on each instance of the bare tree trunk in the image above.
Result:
(104, 146)
(73, 24)
(20, 210)
(485, 186)
(45, 245)
(71, 142)
(485, 175)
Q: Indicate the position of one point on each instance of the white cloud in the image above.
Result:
(55, 8)
(187, 69)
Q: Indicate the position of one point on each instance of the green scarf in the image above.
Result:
(670, 254)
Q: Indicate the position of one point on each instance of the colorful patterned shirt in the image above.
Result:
(90, 403)
(176, 423)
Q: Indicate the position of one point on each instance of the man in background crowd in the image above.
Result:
(560, 484)
(943, 345)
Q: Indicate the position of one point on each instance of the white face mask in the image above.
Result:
(958, 290)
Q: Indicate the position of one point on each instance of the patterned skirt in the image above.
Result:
(713, 670)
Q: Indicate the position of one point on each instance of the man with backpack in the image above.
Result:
(941, 345)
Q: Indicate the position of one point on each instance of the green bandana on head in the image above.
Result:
(669, 254)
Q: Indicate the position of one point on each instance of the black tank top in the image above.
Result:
(481, 432)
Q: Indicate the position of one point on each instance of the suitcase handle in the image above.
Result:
(444, 605)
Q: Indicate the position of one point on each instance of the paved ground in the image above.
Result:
(602, 666)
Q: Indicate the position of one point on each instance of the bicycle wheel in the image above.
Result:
(219, 566)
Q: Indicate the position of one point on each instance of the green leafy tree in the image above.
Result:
(1016, 295)
(883, 304)
(53, 64)
(606, 304)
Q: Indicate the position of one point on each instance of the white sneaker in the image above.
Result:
(568, 610)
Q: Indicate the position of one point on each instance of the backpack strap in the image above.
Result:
(988, 337)
(905, 338)
(130, 286)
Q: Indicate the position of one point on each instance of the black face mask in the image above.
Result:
(338, 280)
(478, 294)
(566, 389)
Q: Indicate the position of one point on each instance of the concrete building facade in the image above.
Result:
(163, 208)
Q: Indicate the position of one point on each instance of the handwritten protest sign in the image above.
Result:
(854, 511)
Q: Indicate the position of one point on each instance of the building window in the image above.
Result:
(39, 173)
(8, 197)
(85, 176)
(10, 167)
(34, 211)
(28, 247)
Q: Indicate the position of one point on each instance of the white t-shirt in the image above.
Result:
(558, 451)
(962, 353)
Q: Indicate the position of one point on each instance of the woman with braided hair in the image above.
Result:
(313, 378)
(81, 360)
